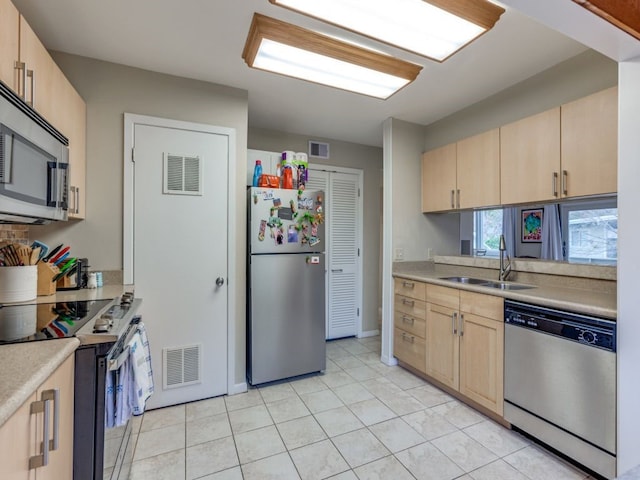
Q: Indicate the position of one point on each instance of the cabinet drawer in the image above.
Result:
(410, 288)
(486, 306)
(410, 306)
(445, 296)
(409, 349)
(410, 324)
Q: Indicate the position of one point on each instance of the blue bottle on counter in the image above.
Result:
(257, 171)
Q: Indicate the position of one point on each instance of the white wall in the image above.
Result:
(405, 226)
(628, 265)
(110, 90)
(350, 155)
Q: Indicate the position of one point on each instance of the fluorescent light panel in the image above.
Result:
(435, 29)
(282, 48)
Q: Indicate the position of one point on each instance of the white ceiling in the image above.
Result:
(203, 39)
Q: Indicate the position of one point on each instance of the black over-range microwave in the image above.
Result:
(34, 165)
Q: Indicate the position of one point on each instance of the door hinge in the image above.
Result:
(358, 252)
(358, 192)
(358, 311)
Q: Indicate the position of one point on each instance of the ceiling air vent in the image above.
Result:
(318, 149)
(181, 366)
(182, 175)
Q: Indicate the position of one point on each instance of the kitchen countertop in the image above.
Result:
(24, 366)
(589, 302)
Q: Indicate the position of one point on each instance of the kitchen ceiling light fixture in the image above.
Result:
(280, 47)
(432, 28)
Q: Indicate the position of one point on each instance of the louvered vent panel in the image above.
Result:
(182, 366)
(192, 174)
(3, 172)
(342, 309)
(344, 197)
(182, 175)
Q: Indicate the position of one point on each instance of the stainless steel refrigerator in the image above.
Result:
(286, 284)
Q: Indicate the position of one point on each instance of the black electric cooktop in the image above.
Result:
(46, 321)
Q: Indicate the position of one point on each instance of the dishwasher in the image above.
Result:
(560, 382)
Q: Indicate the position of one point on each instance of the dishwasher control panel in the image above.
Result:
(593, 331)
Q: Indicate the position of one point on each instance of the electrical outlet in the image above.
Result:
(398, 254)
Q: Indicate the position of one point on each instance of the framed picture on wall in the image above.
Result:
(532, 225)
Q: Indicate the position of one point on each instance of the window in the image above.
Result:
(487, 228)
(590, 231)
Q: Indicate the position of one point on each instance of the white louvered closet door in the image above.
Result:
(344, 283)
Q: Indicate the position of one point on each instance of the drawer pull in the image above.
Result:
(405, 336)
(406, 319)
(411, 303)
(408, 284)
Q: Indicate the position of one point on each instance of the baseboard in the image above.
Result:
(369, 333)
(391, 361)
(238, 388)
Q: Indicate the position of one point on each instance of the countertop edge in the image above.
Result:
(517, 295)
(16, 391)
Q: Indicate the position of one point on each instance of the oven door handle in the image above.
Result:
(121, 351)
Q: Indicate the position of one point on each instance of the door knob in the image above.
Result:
(219, 281)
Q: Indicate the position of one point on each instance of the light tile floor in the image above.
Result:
(361, 419)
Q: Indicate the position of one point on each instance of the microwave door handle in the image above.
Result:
(52, 184)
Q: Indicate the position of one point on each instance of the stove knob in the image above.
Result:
(588, 336)
(101, 325)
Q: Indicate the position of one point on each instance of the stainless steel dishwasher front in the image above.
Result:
(560, 382)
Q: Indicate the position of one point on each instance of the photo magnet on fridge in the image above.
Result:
(292, 234)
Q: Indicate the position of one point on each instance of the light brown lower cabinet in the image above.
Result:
(409, 323)
(465, 342)
(21, 437)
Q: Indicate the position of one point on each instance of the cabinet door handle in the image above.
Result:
(72, 189)
(406, 319)
(77, 200)
(31, 74)
(405, 336)
(461, 328)
(54, 396)
(41, 460)
(454, 317)
(458, 200)
(453, 205)
(565, 174)
(411, 303)
(407, 284)
(22, 79)
(554, 184)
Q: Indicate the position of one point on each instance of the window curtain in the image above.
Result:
(509, 229)
(551, 233)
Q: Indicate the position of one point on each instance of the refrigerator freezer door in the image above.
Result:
(287, 316)
(273, 221)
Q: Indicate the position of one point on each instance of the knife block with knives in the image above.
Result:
(46, 272)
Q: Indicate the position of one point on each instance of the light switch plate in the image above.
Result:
(398, 254)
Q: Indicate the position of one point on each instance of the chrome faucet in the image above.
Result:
(504, 270)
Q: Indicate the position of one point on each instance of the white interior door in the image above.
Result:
(344, 232)
(180, 250)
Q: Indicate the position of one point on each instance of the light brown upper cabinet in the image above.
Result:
(439, 179)
(589, 146)
(465, 174)
(530, 159)
(478, 170)
(9, 43)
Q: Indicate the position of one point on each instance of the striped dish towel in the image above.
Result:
(141, 373)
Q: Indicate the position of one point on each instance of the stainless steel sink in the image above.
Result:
(487, 283)
(506, 286)
(470, 281)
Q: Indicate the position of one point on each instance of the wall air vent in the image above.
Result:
(182, 175)
(318, 149)
(182, 366)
